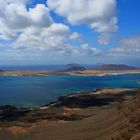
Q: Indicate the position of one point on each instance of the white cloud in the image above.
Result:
(128, 46)
(43, 38)
(104, 38)
(100, 15)
(14, 17)
(75, 36)
(33, 35)
(33, 28)
(90, 50)
(52, 42)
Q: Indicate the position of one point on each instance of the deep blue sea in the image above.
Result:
(38, 90)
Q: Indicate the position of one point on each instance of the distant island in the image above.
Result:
(77, 69)
(115, 67)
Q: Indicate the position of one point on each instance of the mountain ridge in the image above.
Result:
(115, 67)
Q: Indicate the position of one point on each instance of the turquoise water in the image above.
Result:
(38, 90)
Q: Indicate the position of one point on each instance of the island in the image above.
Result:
(115, 67)
(76, 69)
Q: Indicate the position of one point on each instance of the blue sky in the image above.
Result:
(129, 17)
(34, 32)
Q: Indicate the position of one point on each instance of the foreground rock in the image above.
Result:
(110, 114)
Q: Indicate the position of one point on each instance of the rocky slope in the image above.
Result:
(110, 114)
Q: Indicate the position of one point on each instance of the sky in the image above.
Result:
(41, 32)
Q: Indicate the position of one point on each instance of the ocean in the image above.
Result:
(29, 91)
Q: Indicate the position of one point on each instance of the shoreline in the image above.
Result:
(77, 73)
(95, 92)
(69, 112)
(67, 100)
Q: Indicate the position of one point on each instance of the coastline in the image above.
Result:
(67, 111)
(78, 73)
